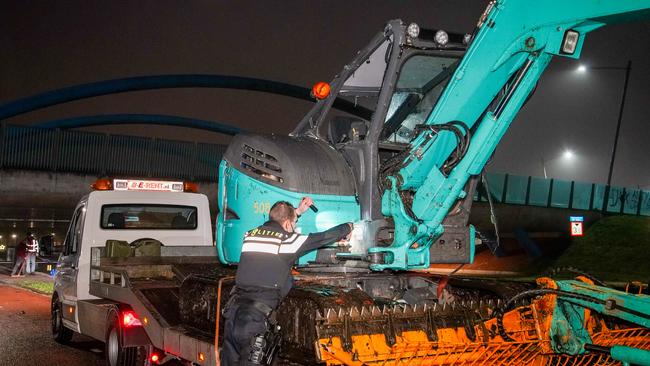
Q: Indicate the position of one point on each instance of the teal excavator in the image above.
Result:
(395, 143)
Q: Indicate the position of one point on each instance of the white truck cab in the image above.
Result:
(125, 210)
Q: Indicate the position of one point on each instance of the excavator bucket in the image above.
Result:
(455, 335)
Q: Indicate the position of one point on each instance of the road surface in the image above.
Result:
(26, 339)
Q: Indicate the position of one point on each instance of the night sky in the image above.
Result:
(48, 45)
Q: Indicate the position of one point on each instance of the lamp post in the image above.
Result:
(627, 69)
(567, 156)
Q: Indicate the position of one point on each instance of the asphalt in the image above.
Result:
(25, 336)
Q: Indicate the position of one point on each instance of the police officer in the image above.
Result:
(264, 277)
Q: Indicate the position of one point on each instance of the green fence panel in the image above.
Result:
(631, 201)
(599, 196)
(615, 200)
(560, 194)
(645, 203)
(581, 195)
(496, 183)
(517, 188)
(539, 191)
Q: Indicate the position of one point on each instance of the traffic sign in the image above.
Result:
(577, 229)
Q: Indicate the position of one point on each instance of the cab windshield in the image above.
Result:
(421, 82)
(423, 74)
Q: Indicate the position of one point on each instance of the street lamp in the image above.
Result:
(568, 155)
(627, 68)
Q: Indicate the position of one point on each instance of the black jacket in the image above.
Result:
(269, 252)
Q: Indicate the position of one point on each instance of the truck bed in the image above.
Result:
(151, 287)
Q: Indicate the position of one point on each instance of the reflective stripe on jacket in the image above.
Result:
(269, 252)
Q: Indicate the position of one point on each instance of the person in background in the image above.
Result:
(32, 252)
(21, 259)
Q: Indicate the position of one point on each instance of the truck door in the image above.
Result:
(68, 264)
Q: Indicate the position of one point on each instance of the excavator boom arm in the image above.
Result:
(510, 49)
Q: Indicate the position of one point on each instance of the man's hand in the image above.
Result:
(305, 202)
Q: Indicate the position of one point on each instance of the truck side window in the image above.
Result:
(74, 232)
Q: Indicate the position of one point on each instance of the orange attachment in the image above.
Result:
(102, 184)
(527, 325)
(190, 187)
(413, 348)
(321, 90)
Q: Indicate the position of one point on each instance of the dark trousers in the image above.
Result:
(243, 323)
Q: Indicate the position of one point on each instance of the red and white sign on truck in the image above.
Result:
(147, 185)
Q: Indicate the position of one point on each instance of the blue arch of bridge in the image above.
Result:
(99, 88)
(156, 119)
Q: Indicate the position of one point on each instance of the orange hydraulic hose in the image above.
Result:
(218, 316)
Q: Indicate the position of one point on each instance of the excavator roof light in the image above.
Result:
(321, 90)
(441, 37)
(413, 30)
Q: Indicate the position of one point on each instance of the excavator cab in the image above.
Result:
(369, 117)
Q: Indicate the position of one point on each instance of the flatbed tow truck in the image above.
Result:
(118, 283)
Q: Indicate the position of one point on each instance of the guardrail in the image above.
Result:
(536, 191)
(105, 155)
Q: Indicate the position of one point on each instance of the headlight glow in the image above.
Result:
(413, 30)
(570, 42)
(441, 37)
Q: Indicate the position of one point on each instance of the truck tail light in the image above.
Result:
(154, 357)
(129, 319)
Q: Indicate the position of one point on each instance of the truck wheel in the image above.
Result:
(116, 353)
(60, 333)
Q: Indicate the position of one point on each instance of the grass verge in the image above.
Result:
(44, 287)
(615, 248)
